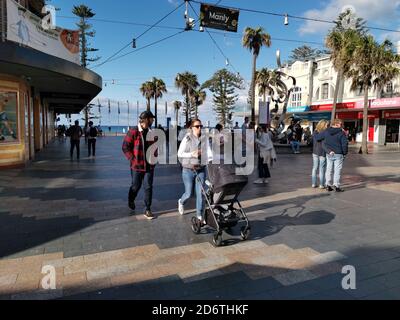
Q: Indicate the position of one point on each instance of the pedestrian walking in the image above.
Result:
(264, 146)
(190, 152)
(336, 148)
(75, 133)
(135, 147)
(92, 138)
(246, 124)
(319, 155)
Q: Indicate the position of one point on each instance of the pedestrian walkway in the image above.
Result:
(74, 216)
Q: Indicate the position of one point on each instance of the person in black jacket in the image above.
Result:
(75, 133)
(319, 154)
(336, 147)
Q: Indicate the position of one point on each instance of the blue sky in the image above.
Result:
(194, 51)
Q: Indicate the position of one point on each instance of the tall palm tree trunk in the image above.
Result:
(148, 104)
(253, 89)
(364, 143)
(311, 83)
(177, 117)
(155, 111)
(187, 106)
(265, 103)
(336, 94)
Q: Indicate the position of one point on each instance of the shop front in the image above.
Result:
(392, 118)
(383, 118)
(353, 124)
(34, 87)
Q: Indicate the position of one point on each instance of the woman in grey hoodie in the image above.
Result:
(319, 155)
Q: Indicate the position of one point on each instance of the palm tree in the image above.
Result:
(177, 106)
(374, 64)
(197, 99)
(146, 90)
(254, 40)
(159, 88)
(187, 82)
(342, 43)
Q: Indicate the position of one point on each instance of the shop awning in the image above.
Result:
(67, 87)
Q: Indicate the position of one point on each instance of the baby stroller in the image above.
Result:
(223, 209)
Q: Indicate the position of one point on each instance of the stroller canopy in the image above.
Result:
(223, 175)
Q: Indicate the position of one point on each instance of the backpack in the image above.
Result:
(93, 132)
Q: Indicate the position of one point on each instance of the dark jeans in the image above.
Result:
(92, 147)
(75, 144)
(137, 179)
(263, 170)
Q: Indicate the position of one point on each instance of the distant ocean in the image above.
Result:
(115, 129)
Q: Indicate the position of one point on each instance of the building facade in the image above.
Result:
(39, 79)
(312, 100)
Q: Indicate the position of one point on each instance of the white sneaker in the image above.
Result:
(259, 181)
(181, 208)
(265, 181)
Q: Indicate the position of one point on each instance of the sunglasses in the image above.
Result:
(198, 127)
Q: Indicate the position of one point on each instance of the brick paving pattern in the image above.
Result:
(74, 216)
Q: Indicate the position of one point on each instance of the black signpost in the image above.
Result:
(219, 18)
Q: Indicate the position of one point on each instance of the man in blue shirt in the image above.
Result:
(335, 145)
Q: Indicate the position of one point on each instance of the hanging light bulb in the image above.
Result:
(226, 62)
(201, 29)
(286, 19)
(134, 43)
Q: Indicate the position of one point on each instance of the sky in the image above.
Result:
(195, 51)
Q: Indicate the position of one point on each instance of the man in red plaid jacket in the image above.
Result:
(135, 148)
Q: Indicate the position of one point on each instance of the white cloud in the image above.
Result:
(392, 36)
(381, 13)
(174, 2)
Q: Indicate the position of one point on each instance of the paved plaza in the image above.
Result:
(74, 216)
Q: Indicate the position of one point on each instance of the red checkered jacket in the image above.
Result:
(133, 148)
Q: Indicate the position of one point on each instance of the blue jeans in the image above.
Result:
(335, 163)
(295, 146)
(137, 179)
(318, 162)
(189, 179)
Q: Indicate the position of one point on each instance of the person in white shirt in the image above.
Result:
(265, 147)
(194, 153)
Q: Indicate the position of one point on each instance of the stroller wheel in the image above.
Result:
(245, 233)
(217, 239)
(196, 225)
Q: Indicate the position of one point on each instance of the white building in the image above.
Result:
(312, 100)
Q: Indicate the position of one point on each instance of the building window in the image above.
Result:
(325, 91)
(8, 117)
(297, 97)
(389, 88)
